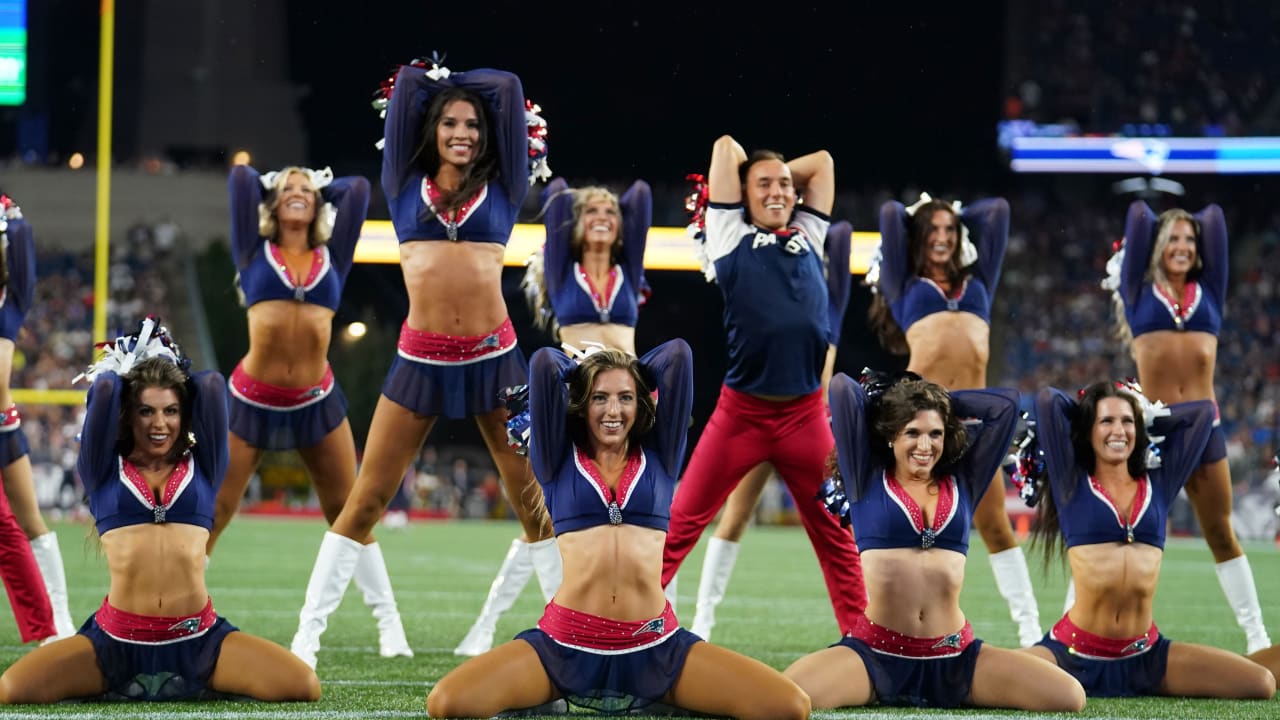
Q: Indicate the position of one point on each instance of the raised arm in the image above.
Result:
(670, 369)
(350, 195)
(1186, 432)
(558, 220)
(996, 412)
(637, 216)
(815, 176)
(548, 403)
(97, 459)
(21, 265)
(504, 94)
(839, 280)
(1054, 410)
(895, 266)
(403, 130)
(988, 221)
(209, 424)
(245, 187)
(1213, 240)
(1139, 235)
(848, 403)
(723, 185)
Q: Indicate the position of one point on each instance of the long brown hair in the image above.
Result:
(898, 406)
(880, 315)
(1048, 530)
(155, 372)
(474, 176)
(583, 381)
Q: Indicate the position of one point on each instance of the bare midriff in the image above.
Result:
(1115, 585)
(288, 342)
(950, 349)
(611, 335)
(455, 288)
(157, 569)
(913, 591)
(613, 571)
(1176, 366)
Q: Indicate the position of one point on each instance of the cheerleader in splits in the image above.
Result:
(765, 253)
(722, 549)
(933, 302)
(293, 234)
(152, 454)
(1108, 504)
(1170, 295)
(586, 286)
(455, 170)
(608, 459)
(913, 461)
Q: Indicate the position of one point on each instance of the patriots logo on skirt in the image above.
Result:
(190, 625)
(951, 641)
(656, 626)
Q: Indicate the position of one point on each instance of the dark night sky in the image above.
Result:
(897, 93)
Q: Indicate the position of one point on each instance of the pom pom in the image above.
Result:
(538, 168)
(1025, 464)
(875, 382)
(695, 203)
(1114, 265)
(120, 356)
(833, 497)
(433, 67)
(519, 424)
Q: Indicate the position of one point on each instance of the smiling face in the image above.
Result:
(156, 420)
(296, 201)
(1114, 431)
(918, 446)
(600, 221)
(1179, 256)
(458, 134)
(770, 194)
(942, 234)
(611, 409)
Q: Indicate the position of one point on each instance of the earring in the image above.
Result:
(890, 443)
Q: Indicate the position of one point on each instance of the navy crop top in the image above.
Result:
(16, 296)
(775, 299)
(882, 513)
(1087, 515)
(118, 495)
(1148, 307)
(263, 273)
(573, 298)
(576, 497)
(490, 215)
(912, 297)
(839, 280)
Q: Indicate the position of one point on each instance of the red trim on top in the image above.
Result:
(1135, 511)
(942, 513)
(176, 476)
(317, 265)
(11, 419)
(625, 482)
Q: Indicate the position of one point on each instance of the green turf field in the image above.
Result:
(776, 610)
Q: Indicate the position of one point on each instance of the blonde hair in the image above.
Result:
(1155, 273)
(582, 197)
(321, 228)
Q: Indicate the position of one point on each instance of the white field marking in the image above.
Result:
(201, 711)
(379, 683)
(906, 714)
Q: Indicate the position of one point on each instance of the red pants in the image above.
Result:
(795, 437)
(22, 579)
